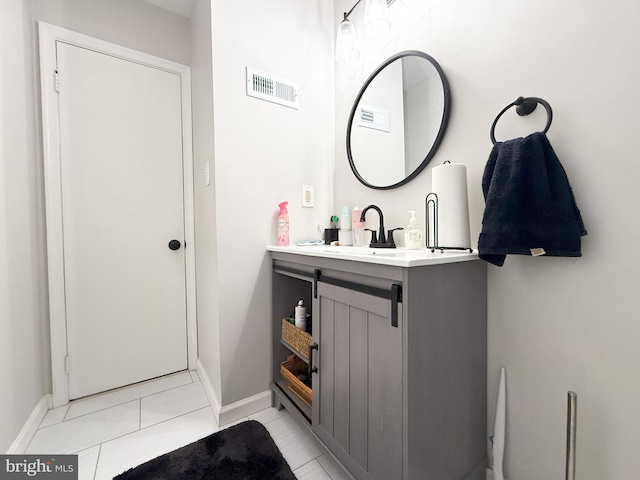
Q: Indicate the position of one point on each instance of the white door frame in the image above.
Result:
(49, 35)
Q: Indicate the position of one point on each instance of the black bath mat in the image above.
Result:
(243, 452)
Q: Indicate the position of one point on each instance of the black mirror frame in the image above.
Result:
(443, 124)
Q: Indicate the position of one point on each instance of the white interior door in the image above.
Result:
(121, 178)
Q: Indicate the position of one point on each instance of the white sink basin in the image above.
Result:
(400, 256)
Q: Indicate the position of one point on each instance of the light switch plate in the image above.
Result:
(307, 196)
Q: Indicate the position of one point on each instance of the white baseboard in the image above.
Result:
(244, 408)
(28, 430)
(237, 410)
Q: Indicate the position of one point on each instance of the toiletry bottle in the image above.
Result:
(283, 225)
(344, 234)
(412, 234)
(301, 316)
(357, 227)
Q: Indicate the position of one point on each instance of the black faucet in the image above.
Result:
(380, 240)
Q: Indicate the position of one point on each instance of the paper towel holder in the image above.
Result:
(431, 213)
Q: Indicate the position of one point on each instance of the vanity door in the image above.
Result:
(357, 389)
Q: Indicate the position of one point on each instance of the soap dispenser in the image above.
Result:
(413, 234)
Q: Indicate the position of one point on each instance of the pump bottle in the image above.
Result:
(413, 234)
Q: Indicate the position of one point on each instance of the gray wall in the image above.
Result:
(556, 324)
(263, 154)
(205, 200)
(24, 370)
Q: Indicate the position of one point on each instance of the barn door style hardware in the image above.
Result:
(394, 294)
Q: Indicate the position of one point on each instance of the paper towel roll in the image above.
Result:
(449, 183)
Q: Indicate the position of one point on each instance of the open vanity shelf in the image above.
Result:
(399, 382)
(288, 288)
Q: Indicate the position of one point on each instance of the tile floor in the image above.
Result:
(121, 429)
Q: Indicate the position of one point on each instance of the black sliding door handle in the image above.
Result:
(312, 347)
(174, 245)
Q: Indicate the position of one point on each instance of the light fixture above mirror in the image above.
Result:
(377, 24)
(347, 42)
(376, 19)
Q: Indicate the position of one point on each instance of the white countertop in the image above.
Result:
(399, 257)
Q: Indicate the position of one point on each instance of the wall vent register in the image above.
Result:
(373, 117)
(272, 88)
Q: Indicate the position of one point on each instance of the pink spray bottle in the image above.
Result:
(283, 225)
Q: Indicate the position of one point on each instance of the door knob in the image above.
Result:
(174, 244)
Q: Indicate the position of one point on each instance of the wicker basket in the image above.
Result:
(297, 339)
(289, 369)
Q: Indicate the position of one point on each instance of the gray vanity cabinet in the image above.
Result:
(358, 394)
(399, 390)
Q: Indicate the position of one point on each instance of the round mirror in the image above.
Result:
(398, 120)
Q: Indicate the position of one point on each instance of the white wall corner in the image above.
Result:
(237, 410)
(209, 390)
(243, 408)
(28, 430)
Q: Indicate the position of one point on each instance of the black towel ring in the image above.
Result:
(524, 106)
